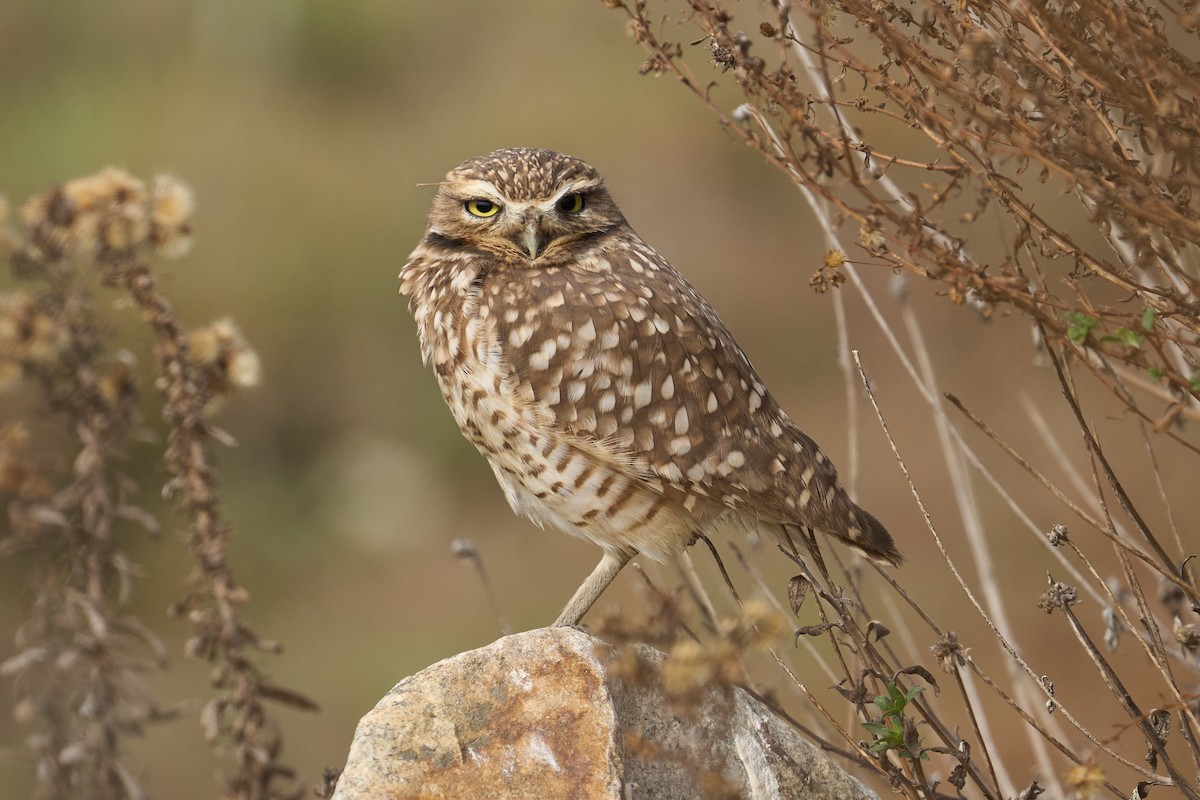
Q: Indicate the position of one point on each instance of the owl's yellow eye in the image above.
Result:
(571, 203)
(482, 208)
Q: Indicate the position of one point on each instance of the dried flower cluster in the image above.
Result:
(81, 655)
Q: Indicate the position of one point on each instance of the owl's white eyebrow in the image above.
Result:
(572, 188)
(478, 188)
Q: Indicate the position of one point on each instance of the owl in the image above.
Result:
(606, 394)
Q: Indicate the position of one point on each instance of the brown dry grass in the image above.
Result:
(999, 103)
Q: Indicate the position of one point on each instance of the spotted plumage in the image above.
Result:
(604, 390)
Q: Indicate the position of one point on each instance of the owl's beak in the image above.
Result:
(533, 238)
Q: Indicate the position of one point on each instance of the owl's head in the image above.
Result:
(524, 205)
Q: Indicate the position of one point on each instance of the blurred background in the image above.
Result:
(304, 129)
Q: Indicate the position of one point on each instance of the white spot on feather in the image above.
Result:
(586, 332)
(641, 395)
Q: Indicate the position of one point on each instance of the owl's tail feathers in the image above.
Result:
(868, 536)
(855, 526)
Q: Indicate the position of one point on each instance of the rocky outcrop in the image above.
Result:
(551, 714)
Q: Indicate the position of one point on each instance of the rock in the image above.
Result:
(550, 714)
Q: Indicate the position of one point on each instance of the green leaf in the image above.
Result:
(1148, 319)
(1124, 336)
(1156, 373)
(1194, 382)
(1080, 326)
(877, 728)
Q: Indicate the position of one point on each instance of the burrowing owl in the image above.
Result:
(608, 396)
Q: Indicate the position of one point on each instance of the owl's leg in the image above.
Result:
(594, 586)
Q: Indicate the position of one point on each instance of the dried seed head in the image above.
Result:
(118, 386)
(112, 203)
(110, 210)
(691, 667)
(1187, 635)
(1059, 595)
(760, 625)
(872, 239)
(978, 52)
(948, 652)
(171, 217)
(1057, 535)
(28, 334)
(225, 356)
(830, 275)
(1084, 780)
(126, 227)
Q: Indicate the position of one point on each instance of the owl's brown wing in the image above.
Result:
(620, 348)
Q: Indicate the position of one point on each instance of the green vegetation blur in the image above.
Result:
(304, 128)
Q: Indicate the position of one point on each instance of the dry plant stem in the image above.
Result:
(1054, 741)
(1155, 650)
(102, 226)
(1151, 640)
(1166, 571)
(981, 552)
(687, 569)
(724, 573)
(1135, 714)
(1151, 455)
(663, 597)
(982, 736)
(878, 666)
(1104, 373)
(908, 790)
(1059, 456)
(466, 550)
(764, 590)
(971, 596)
(1098, 453)
(239, 714)
(695, 590)
(80, 594)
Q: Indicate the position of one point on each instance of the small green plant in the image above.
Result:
(892, 731)
(1080, 326)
